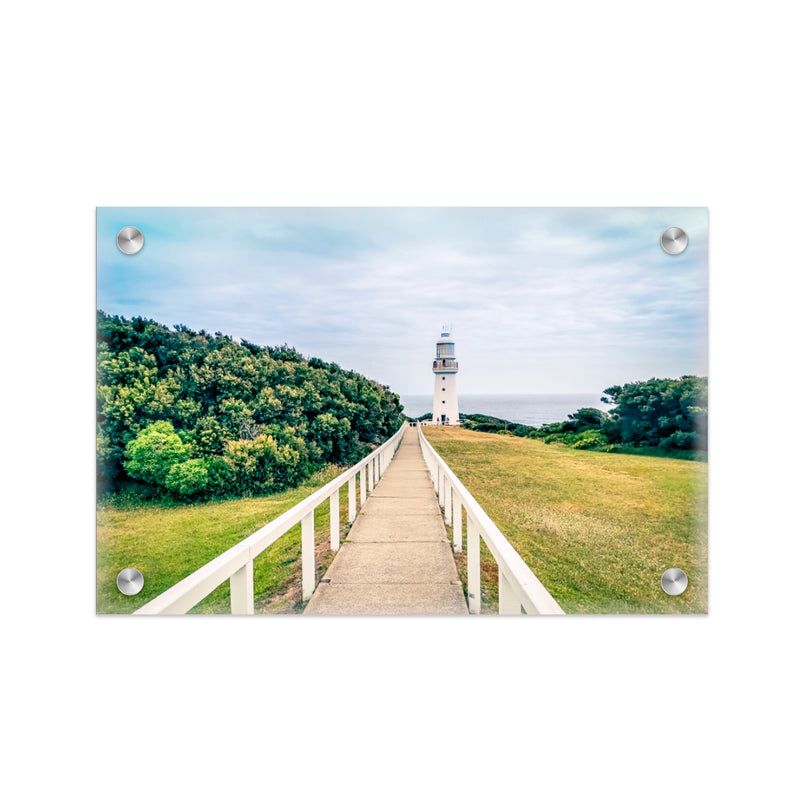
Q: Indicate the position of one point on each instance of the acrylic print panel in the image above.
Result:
(402, 411)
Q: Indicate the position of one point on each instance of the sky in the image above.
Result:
(539, 300)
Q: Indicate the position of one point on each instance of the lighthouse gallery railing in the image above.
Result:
(236, 564)
(519, 587)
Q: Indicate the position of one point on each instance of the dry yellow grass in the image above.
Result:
(598, 529)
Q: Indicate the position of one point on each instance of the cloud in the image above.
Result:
(541, 299)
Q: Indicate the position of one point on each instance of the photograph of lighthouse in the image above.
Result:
(402, 411)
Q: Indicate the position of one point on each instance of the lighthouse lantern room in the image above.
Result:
(445, 368)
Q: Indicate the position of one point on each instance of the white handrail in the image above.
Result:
(236, 563)
(519, 587)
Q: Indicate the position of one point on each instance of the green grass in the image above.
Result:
(167, 543)
(597, 529)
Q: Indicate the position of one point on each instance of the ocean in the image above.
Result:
(529, 409)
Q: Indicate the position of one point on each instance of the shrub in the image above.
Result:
(188, 479)
(221, 476)
(590, 441)
(680, 440)
(263, 465)
(584, 419)
(155, 450)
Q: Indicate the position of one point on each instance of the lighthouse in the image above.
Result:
(445, 368)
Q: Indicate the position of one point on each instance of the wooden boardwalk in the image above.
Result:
(396, 558)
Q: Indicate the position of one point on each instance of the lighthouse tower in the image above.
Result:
(445, 368)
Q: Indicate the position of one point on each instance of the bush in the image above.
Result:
(584, 419)
(589, 440)
(263, 465)
(188, 479)
(680, 440)
(152, 454)
(221, 476)
(551, 429)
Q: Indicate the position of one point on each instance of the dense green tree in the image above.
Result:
(292, 414)
(334, 437)
(660, 412)
(209, 437)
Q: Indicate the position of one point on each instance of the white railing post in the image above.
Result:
(371, 477)
(242, 601)
(235, 565)
(335, 520)
(509, 603)
(351, 499)
(473, 566)
(458, 524)
(448, 501)
(307, 555)
(520, 590)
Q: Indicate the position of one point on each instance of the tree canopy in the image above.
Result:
(196, 414)
(660, 412)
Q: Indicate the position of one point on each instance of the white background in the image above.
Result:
(420, 103)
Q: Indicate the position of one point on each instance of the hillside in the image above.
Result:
(598, 529)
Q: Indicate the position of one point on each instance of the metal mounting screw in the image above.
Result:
(674, 241)
(674, 581)
(130, 240)
(130, 581)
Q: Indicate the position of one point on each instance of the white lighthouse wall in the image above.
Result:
(445, 398)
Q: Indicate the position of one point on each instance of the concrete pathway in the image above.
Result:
(396, 558)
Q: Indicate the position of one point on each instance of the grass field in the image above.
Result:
(167, 543)
(598, 529)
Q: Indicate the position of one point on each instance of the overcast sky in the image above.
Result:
(540, 300)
